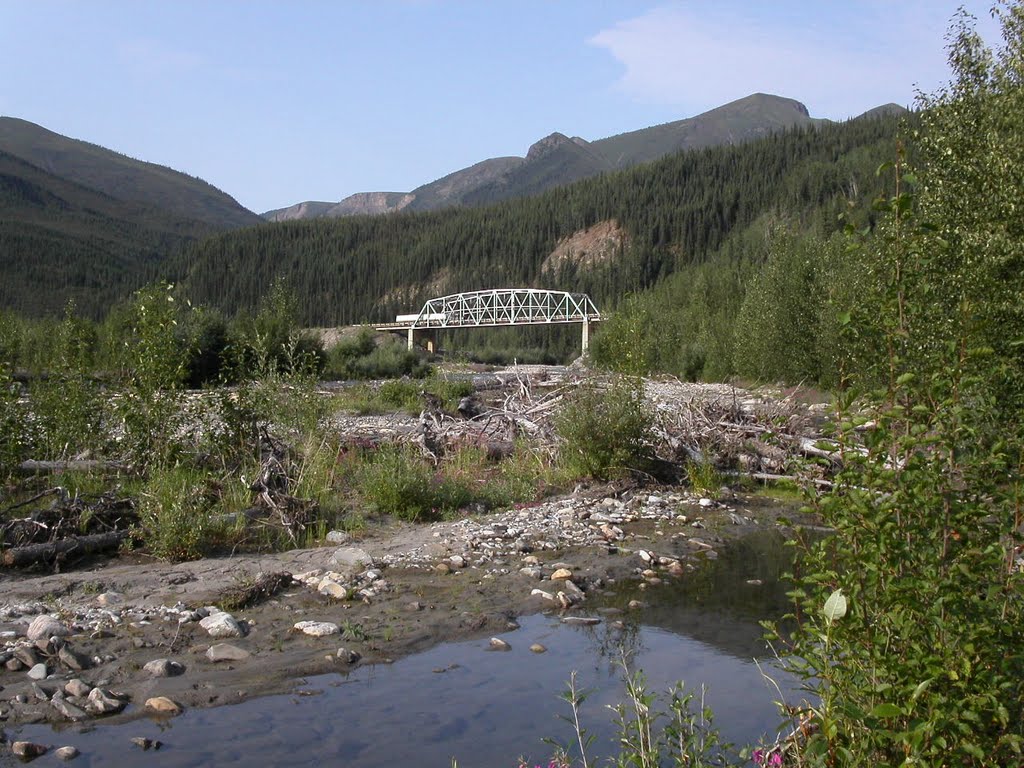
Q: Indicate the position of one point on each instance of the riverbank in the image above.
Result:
(128, 633)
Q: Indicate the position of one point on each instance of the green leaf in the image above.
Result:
(886, 710)
(835, 606)
(921, 688)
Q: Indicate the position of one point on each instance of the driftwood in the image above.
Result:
(72, 465)
(272, 486)
(33, 554)
(263, 588)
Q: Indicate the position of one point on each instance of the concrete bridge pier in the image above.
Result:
(586, 334)
(425, 337)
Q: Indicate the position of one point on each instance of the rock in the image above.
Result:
(163, 705)
(67, 753)
(46, 626)
(646, 556)
(317, 628)
(14, 665)
(457, 561)
(634, 604)
(38, 672)
(443, 568)
(142, 741)
(221, 625)
(560, 574)
(337, 537)
(542, 593)
(497, 644)
(586, 621)
(77, 688)
(754, 582)
(103, 702)
(226, 652)
(706, 503)
(351, 557)
(28, 750)
(43, 693)
(73, 660)
(27, 655)
(348, 656)
(163, 668)
(331, 588)
(110, 599)
(537, 648)
(675, 568)
(68, 710)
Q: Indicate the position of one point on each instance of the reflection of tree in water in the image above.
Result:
(614, 639)
(720, 603)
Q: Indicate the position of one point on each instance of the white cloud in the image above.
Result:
(838, 58)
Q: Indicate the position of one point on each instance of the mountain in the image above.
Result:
(609, 234)
(557, 160)
(359, 204)
(122, 177)
(60, 240)
(84, 223)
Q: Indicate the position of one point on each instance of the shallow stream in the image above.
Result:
(484, 708)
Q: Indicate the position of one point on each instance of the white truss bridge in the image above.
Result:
(496, 307)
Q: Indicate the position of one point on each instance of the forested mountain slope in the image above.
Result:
(60, 240)
(669, 213)
(122, 177)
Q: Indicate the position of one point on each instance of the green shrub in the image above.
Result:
(399, 482)
(363, 358)
(174, 508)
(605, 432)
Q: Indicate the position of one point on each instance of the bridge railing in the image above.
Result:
(503, 306)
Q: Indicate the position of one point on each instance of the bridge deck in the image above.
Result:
(407, 325)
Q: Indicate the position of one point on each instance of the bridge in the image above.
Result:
(492, 308)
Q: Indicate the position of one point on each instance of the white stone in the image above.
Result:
(351, 557)
(221, 625)
(46, 626)
(497, 644)
(226, 652)
(103, 703)
(317, 628)
(38, 672)
(163, 705)
(331, 588)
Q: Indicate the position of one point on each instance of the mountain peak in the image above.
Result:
(550, 143)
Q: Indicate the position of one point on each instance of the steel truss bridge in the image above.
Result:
(495, 307)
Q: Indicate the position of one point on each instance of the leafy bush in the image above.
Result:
(911, 616)
(399, 482)
(605, 432)
(174, 508)
(363, 358)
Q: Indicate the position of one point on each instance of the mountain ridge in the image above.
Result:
(558, 159)
(122, 177)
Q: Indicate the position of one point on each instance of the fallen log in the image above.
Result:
(74, 465)
(19, 557)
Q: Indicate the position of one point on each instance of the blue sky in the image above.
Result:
(279, 102)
